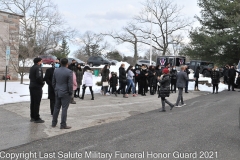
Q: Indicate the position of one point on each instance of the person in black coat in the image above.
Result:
(73, 65)
(165, 89)
(225, 74)
(152, 79)
(122, 81)
(35, 88)
(173, 74)
(114, 82)
(105, 78)
(137, 72)
(143, 80)
(196, 76)
(231, 78)
(215, 75)
(48, 78)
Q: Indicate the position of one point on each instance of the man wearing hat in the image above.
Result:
(35, 88)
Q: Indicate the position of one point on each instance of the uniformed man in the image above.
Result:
(35, 87)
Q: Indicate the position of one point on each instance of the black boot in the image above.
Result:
(78, 92)
(163, 106)
(92, 95)
(75, 93)
(170, 104)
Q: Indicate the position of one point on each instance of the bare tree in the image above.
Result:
(42, 27)
(167, 23)
(91, 44)
(129, 34)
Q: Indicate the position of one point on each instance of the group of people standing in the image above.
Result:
(64, 83)
(143, 77)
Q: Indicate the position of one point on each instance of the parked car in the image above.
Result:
(146, 62)
(113, 62)
(77, 60)
(205, 67)
(48, 59)
(97, 61)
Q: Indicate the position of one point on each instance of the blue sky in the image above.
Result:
(106, 15)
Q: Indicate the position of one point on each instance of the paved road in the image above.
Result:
(207, 128)
(17, 130)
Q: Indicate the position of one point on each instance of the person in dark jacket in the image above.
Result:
(225, 74)
(231, 78)
(173, 74)
(181, 83)
(215, 76)
(122, 81)
(73, 66)
(196, 76)
(165, 89)
(188, 72)
(114, 82)
(137, 72)
(143, 80)
(152, 79)
(105, 78)
(48, 78)
(35, 88)
(79, 76)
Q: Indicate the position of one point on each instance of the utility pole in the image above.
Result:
(151, 33)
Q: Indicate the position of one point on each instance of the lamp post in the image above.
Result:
(151, 33)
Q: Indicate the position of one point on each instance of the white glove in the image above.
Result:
(158, 84)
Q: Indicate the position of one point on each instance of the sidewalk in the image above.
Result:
(16, 129)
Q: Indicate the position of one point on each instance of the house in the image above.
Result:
(9, 36)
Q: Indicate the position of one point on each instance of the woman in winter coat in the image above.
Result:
(173, 74)
(105, 78)
(215, 79)
(79, 76)
(130, 82)
(87, 81)
(122, 81)
(165, 89)
(196, 76)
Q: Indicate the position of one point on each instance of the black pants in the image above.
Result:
(52, 103)
(114, 89)
(164, 100)
(143, 86)
(77, 92)
(225, 80)
(35, 97)
(215, 86)
(173, 85)
(122, 87)
(196, 83)
(231, 83)
(84, 88)
(186, 88)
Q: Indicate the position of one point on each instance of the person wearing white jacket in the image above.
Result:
(87, 81)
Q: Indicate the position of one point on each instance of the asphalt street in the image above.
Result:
(206, 128)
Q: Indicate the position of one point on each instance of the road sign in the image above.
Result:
(8, 52)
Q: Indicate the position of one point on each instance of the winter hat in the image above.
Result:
(165, 71)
